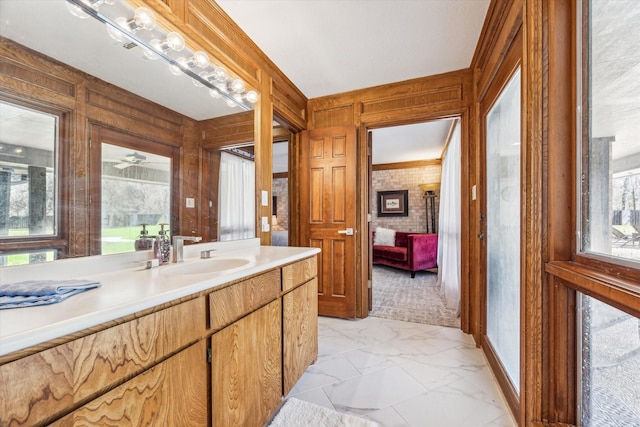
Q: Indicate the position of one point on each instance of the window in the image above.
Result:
(609, 197)
(610, 354)
(136, 191)
(27, 172)
(503, 227)
(131, 183)
(28, 184)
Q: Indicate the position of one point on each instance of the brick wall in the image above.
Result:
(404, 179)
(384, 180)
(280, 189)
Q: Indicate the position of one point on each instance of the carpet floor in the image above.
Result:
(397, 296)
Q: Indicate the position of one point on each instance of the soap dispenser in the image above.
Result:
(157, 248)
(165, 244)
(143, 242)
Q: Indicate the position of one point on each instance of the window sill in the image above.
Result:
(617, 291)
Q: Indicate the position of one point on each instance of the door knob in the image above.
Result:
(348, 231)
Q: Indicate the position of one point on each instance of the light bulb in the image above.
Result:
(175, 41)
(252, 96)
(117, 34)
(201, 59)
(144, 18)
(231, 103)
(77, 11)
(149, 54)
(237, 86)
(220, 74)
(215, 94)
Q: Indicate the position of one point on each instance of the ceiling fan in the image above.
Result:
(131, 160)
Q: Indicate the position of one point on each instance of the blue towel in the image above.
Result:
(41, 292)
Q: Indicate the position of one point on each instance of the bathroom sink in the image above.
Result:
(208, 266)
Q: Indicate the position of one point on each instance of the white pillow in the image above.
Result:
(384, 237)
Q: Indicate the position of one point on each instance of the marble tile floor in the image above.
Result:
(403, 374)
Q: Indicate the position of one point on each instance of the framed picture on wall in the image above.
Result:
(393, 203)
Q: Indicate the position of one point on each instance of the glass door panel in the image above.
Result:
(503, 228)
(610, 357)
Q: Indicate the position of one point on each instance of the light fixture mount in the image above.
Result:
(140, 28)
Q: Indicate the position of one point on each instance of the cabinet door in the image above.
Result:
(300, 332)
(246, 369)
(172, 393)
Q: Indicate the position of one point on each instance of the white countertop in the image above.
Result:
(124, 291)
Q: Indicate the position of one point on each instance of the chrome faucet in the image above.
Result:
(206, 254)
(178, 246)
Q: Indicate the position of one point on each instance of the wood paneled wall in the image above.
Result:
(412, 101)
(83, 101)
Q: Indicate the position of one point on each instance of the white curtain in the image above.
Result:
(449, 224)
(236, 198)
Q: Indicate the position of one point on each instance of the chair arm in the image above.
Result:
(422, 251)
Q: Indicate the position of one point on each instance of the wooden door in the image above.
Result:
(328, 195)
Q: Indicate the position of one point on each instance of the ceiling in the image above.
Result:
(326, 47)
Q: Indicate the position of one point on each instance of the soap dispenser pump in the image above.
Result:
(164, 245)
(143, 242)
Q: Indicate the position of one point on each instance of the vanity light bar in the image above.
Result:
(194, 64)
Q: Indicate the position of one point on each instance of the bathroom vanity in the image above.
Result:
(174, 345)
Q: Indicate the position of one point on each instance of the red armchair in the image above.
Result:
(412, 252)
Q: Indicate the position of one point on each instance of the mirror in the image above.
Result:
(48, 27)
(280, 223)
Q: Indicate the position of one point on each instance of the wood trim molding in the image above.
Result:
(452, 128)
(279, 175)
(407, 165)
(621, 293)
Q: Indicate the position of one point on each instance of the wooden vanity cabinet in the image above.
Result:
(258, 334)
(300, 320)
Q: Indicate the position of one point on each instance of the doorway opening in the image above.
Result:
(414, 179)
(281, 220)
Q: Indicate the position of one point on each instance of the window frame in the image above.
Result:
(99, 134)
(612, 280)
(625, 267)
(58, 241)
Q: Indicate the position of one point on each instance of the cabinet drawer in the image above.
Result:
(299, 272)
(230, 304)
(38, 388)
